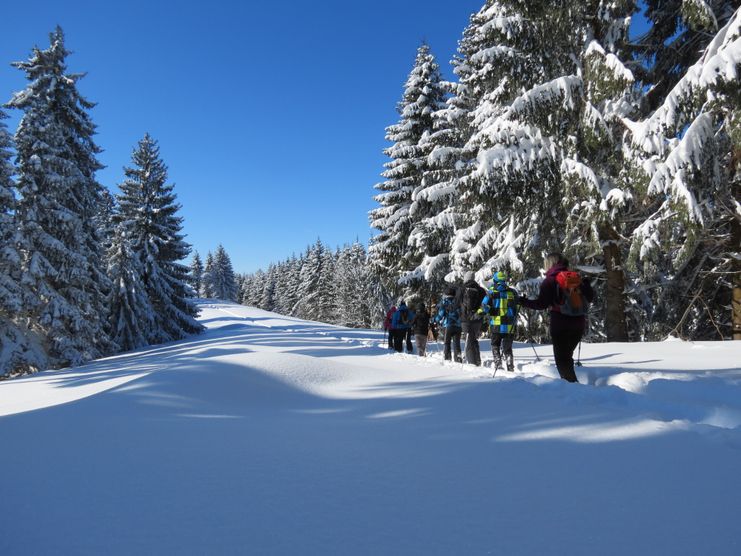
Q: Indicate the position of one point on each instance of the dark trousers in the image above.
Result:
(453, 335)
(501, 344)
(473, 352)
(391, 338)
(564, 344)
(399, 335)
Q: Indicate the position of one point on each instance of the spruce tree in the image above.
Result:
(423, 95)
(58, 202)
(254, 292)
(285, 296)
(148, 215)
(268, 295)
(686, 248)
(356, 288)
(222, 278)
(308, 305)
(18, 354)
(132, 317)
(326, 300)
(549, 170)
(208, 276)
(196, 274)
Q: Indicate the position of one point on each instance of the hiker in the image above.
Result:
(471, 319)
(401, 324)
(500, 305)
(421, 327)
(387, 325)
(567, 325)
(448, 315)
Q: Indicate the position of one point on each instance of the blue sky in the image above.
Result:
(270, 115)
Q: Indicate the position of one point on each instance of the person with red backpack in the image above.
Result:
(567, 295)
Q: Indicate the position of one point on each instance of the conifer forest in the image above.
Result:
(560, 131)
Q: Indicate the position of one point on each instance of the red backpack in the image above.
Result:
(569, 298)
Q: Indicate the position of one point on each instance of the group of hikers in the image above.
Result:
(465, 311)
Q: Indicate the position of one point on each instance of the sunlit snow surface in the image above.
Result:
(270, 435)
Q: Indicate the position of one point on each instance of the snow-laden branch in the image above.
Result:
(719, 62)
(671, 175)
(570, 167)
(518, 148)
(505, 243)
(564, 92)
(610, 62)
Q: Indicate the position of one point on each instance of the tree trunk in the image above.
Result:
(736, 266)
(615, 326)
(735, 242)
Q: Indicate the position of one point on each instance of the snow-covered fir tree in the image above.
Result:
(196, 274)
(307, 306)
(327, 288)
(208, 276)
(497, 59)
(131, 314)
(148, 215)
(686, 248)
(221, 277)
(423, 96)
(254, 288)
(267, 298)
(58, 200)
(244, 288)
(18, 352)
(239, 283)
(356, 289)
(544, 148)
(288, 276)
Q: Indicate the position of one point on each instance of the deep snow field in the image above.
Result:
(270, 435)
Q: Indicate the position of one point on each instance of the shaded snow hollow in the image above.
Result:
(270, 435)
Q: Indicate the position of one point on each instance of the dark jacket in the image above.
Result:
(473, 295)
(421, 322)
(547, 299)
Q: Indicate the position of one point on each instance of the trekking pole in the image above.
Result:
(578, 357)
(532, 345)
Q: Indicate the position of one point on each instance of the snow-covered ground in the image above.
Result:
(269, 435)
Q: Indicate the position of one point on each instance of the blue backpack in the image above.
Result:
(449, 313)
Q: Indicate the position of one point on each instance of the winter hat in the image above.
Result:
(499, 276)
(450, 292)
(469, 276)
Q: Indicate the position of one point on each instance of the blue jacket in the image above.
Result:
(402, 319)
(448, 313)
